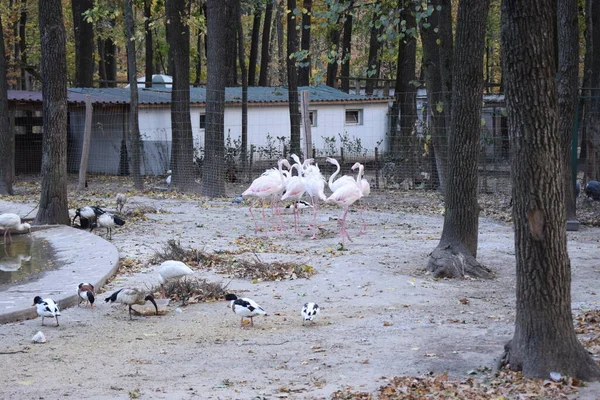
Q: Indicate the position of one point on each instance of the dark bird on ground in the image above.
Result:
(592, 190)
(87, 216)
(85, 291)
(246, 308)
(131, 296)
(46, 308)
(238, 200)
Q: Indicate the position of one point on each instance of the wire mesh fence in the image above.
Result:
(344, 126)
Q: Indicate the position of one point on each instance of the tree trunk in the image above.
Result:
(282, 68)
(22, 46)
(373, 66)
(292, 47)
(253, 47)
(305, 63)
(433, 82)
(230, 46)
(347, 50)
(149, 44)
(265, 53)
(107, 65)
(84, 44)
(213, 183)
(200, 50)
(7, 137)
(567, 81)
(455, 254)
(544, 340)
(53, 208)
(334, 48)
(244, 75)
(182, 142)
(446, 56)
(134, 128)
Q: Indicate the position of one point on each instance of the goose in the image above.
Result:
(131, 296)
(309, 312)
(171, 269)
(85, 291)
(246, 308)
(12, 222)
(46, 308)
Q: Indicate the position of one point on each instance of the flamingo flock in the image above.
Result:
(278, 185)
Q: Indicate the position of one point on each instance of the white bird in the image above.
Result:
(246, 308)
(85, 291)
(171, 269)
(12, 222)
(168, 180)
(366, 190)
(87, 216)
(314, 182)
(295, 187)
(11, 264)
(298, 204)
(341, 181)
(345, 196)
(121, 200)
(46, 308)
(309, 312)
(109, 221)
(131, 296)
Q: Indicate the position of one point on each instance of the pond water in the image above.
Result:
(24, 260)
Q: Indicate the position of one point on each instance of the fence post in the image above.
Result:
(87, 136)
(376, 168)
(250, 162)
(342, 154)
(304, 102)
(386, 88)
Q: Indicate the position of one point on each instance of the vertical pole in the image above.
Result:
(304, 102)
(87, 137)
(376, 167)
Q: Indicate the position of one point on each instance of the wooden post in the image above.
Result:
(386, 88)
(304, 101)
(376, 168)
(87, 138)
(357, 86)
(250, 162)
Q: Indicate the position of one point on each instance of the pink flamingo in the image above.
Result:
(315, 186)
(345, 196)
(341, 181)
(295, 187)
(264, 187)
(366, 190)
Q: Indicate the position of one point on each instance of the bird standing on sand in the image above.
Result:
(309, 312)
(46, 308)
(87, 216)
(169, 270)
(109, 221)
(345, 196)
(246, 308)
(121, 200)
(85, 291)
(12, 222)
(131, 296)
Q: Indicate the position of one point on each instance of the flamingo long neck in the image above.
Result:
(280, 163)
(337, 171)
(358, 177)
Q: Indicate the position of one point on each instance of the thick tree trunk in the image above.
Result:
(53, 208)
(84, 44)
(292, 74)
(7, 137)
(265, 53)
(282, 68)
(374, 64)
(148, 43)
(231, 46)
(213, 183)
(446, 56)
(544, 340)
(253, 47)
(107, 64)
(347, 50)
(567, 80)
(333, 53)
(25, 76)
(305, 64)
(455, 254)
(134, 128)
(433, 82)
(182, 145)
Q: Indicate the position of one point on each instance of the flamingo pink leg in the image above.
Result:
(364, 227)
(343, 232)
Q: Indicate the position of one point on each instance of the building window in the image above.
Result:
(313, 118)
(354, 117)
(202, 121)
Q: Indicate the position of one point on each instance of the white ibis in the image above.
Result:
(246, 308)
(12, 222)
(131, 296)
(46, 308)
(171, 270)
(309, 312)
(85, 291)
(87, 216)
(109, 221)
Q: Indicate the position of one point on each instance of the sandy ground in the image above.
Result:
(381, 315)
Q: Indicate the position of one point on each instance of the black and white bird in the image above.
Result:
(12, 222)
(299, 205)
(131, 296)
(171, 270)
(46, 308)
(87, 216)
(121, 199)
(244, 307)
(309, 312)
(85, 291)
(109, 221)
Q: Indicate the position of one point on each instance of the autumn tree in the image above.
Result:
(213, 183)
(305, 28)
(294, 106)
(148, 43)
(7, 137)
(265, 51)
(182, 142)
(455, 255)
(252, 62)
(544, 340)
(53, 207)
(84, 44)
